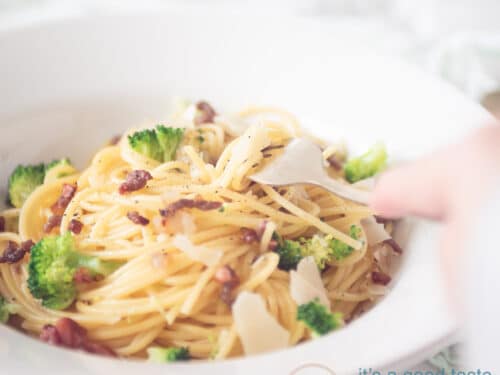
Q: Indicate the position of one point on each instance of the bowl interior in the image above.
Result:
(69, 86)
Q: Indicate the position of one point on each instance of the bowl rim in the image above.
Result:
(408, 357)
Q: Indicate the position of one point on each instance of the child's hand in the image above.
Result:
(450, 185)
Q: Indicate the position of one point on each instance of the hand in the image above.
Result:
(450, 185)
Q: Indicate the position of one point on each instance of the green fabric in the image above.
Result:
(448, 359)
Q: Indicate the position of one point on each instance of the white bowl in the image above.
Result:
(68, 86)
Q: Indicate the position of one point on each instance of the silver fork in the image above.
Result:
(302, 163)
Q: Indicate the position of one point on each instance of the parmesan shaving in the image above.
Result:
(375, 232)
(201, 254)
(257, 328)
(306, 284)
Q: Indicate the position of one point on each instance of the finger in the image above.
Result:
(431, 187)
(414, 189)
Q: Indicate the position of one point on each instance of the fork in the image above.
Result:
(302, 163)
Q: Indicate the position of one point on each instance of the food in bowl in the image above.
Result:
(163, 248)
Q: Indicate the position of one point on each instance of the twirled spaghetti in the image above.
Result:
(161, 296)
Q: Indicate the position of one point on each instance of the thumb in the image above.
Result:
(413, 189)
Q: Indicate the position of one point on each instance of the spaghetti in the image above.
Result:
(162, 295)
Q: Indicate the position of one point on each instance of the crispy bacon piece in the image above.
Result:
(82, 276)
(394, 245)
(50, 335)
(206, 113)
(69, 334)
(334, 162)
(249, 235)
(200, 204)
(224, 274)
(115, 139)
(52, 222)
(27, 245)
(135, 218)
(229, 280)
(380, 278)
(226, 293)
(273, 245)
(2, 224)
(75, 226)
(134, 181)
(13, 253)
(67, 194)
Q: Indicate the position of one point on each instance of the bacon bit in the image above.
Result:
(2, 224)
(82, 276)
(75, 226)
(334, 162)
(115, 139)
(14, 253)
(67, 194)
(200, 204)
(381, 220)
(249, 235)
(69, 334)
(273, 245)
(229, 280)
(206, 113)
(52, 222)
(135, 218)
(27, 245)
(226, 293)
(225, 274)
(394, 245)
(380, 278)
(50, 335)
(135, 180)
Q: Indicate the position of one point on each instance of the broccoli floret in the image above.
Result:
(26, 178)
(162, 355)
(23, 180)
(324, 249)
(62, 167)
(318, 247)
(159, 144)
(169, 140)
(318, 318)
(6, 309)
(290, 253)
(146, 143)
(340, 250)
(52, 266)
(58, 162)
(366, 165)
